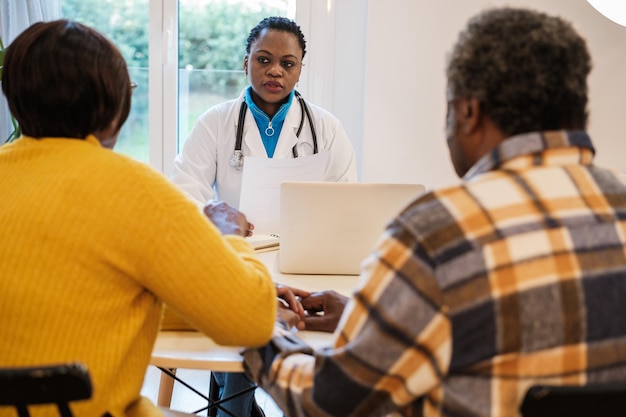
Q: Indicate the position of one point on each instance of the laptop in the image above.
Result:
(330, 227)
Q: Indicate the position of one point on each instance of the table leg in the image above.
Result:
(166, 388)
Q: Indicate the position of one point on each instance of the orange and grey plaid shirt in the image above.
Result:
(476, 292)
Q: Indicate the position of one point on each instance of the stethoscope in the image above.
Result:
(236, 160)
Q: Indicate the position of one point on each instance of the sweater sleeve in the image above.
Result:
(214, 282)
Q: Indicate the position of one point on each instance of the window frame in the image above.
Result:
(163, 88)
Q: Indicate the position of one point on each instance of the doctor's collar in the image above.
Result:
(247, 97)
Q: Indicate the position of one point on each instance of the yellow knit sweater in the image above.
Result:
(91, 245)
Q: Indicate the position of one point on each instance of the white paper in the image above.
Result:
(260, 186)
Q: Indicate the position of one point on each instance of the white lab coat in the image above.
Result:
(202, 168)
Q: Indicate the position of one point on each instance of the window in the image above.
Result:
(171, 93)
(126, 25)
(211, 40)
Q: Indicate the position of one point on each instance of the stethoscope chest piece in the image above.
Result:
(236, 160)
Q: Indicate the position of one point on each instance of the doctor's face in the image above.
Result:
(273, 68)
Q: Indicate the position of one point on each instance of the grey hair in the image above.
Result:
(528, 70)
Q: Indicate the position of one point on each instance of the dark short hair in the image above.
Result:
(528, 70)
(276, 23)
(64, 79)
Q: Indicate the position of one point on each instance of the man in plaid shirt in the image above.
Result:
(513, 278)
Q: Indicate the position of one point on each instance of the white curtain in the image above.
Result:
(15, 16)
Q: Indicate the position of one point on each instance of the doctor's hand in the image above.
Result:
(324, 309)
(227, 219)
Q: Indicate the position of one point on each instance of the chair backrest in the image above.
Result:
(606, 400)
(52, 384)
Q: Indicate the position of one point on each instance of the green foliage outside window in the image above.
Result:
(211, 49)
(214, 37)
(212, 45)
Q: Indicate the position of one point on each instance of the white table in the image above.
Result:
(194, 350)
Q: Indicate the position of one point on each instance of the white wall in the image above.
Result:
(336, 32)
(397, 68)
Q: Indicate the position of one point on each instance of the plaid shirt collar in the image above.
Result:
(534, 144)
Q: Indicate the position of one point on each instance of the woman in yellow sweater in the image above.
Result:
(93, 243)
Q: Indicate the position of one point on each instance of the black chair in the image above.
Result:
(602, 400)
(54, 384)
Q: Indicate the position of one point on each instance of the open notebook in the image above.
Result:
(264, 242)
(329, 228)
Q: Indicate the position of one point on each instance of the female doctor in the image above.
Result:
(269, 119)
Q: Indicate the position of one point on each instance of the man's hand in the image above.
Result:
(227, 219)
(287, 317)
(324, 309)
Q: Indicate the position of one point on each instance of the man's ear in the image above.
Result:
(245, 65)
(471, 114)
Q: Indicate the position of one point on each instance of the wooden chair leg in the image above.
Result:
(166, 388)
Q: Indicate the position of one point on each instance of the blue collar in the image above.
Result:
(269, 129)
(280, 114)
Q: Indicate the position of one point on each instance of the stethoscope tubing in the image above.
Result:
(236, 160)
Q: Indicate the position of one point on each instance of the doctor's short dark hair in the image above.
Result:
(64, 79)
(528, 70)
(277, 23)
